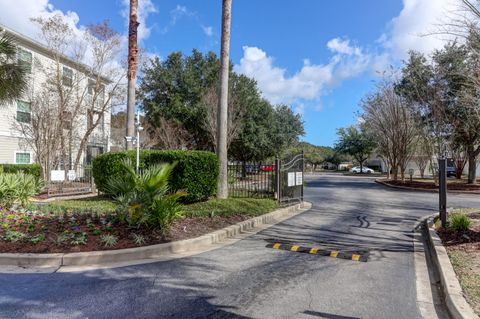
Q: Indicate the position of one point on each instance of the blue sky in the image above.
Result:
(320, 57)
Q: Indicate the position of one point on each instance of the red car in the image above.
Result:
(267, 168)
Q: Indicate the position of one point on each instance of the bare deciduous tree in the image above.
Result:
(75, 97)
(167, 135)
(389, 117)
(423, 152)
(236, 112)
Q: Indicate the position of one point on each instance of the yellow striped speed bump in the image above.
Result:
(355, 256)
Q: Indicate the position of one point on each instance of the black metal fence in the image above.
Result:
(70, 182)
(281, 180)
(251, 180)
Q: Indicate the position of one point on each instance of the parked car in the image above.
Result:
(451, 171)
(365, 170)
(251, 169)
(267, 168)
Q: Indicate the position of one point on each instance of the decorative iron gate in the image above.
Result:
(70, 182)
(290, 179)
(282, 180)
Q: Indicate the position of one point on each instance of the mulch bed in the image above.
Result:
(460, 186)
(469, 239)
(92, 228)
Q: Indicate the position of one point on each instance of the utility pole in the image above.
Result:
(222, 112)
(132, 70)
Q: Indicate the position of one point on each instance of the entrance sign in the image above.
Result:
(291, 179)
(57, 175)
(71, 175)
(299, 178)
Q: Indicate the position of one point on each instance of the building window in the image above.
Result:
(92, 117)
(67, 120)
(97, 92)
(22, 158)
(67, 76)
(24, 111)
(24, 59)
(91, 87)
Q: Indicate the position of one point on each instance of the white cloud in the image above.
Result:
(145, 8)
(311, 81)
(176, 14)
(17, 14)
(299, 109)
(417, 26)
(208, 30)
(342, 46)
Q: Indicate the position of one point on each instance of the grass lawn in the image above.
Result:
(100, 205)
(463, 248)
(466, 264)
(213, 207)
(232, 206)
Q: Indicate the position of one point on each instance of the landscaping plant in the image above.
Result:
(459, 222)
(109, 240)
(145, 199)
(18, 188)
(195, 172)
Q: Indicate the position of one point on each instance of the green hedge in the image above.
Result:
(196, 171)
(32, 169)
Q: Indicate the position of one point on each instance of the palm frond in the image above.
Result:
(13, 76)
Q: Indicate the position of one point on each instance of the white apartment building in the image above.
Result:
(36, 58)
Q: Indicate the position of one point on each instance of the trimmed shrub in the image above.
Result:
(30, 169)
(196, 172)
(459, 222)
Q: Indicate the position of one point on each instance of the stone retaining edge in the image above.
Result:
(455, 302)
(146, 252)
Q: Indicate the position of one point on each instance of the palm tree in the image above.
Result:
(132, 69)
(13, 77)
(222, 114)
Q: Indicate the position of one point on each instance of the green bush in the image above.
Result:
(458, 222)
(18, 188)
(145, 199)
(196, 172)
(31, 169)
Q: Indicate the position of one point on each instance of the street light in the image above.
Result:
(136, 140)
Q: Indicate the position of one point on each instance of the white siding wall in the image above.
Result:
(10, 134)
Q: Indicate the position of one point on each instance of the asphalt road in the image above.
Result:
(248, 280)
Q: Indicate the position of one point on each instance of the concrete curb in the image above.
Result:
(382, 182)
(146, 252)
(454, 299)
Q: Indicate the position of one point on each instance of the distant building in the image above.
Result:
(32, 55)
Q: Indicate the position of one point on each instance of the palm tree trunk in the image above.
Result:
(222, 113)
(132, 70)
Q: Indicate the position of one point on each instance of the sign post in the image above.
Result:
(410, 172)
(442, 190)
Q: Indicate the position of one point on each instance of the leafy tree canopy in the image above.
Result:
(175, 89)
(355, 142)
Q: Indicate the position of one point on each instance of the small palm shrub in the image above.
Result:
(109, 240)
(145, 199)
(459, 222)
(18, 188)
